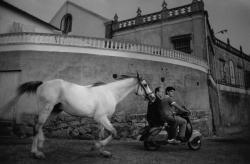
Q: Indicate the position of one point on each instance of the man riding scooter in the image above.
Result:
(169, 108)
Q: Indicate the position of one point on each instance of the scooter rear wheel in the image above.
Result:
(195, 144)
(151, 146)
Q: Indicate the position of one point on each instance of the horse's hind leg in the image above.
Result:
(41, 139)
(38, 139)
(100, 145)
(101, 132)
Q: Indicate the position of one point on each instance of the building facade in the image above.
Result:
(72, 19)
(187, 29)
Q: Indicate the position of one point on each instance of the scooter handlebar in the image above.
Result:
(187, 111)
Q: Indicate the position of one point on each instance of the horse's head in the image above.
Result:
(143, 89)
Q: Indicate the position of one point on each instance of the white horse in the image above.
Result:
(96, 101)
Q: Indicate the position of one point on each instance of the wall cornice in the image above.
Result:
(233, 89)
(97, 46)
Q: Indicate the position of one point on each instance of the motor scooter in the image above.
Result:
(154, 137)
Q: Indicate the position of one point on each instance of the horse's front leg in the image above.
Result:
(104, 121)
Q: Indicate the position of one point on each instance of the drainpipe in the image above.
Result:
(206, 42)
(209, 72)
(243, 65)
(214, 128)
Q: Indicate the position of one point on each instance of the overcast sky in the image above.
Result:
(233, 15)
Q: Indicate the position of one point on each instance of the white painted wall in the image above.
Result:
(8, 82)
(11, 21)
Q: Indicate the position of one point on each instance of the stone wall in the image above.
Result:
(85, 69)
(234, 112)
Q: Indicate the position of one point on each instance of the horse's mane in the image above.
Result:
(99, 83)
(124, 77)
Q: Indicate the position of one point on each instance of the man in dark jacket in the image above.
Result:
(157, 114)
(154, 112)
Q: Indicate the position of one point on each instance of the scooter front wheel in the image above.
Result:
(195, 144)
(151, 145)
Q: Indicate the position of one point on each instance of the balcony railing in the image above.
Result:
(100, 43)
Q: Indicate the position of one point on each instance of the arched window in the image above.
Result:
(222, 69)
(232, 74)
(240, 76)
(66, 23)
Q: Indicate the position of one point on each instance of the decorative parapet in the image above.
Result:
(100, 43)
(226, 46)
(164, 14)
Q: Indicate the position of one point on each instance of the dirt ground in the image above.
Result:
(58, 151)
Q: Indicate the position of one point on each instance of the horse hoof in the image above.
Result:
(93, 148)
(38, 155)
(96, 146)
(106, 154)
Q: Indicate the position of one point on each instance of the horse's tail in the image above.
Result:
(28, 87)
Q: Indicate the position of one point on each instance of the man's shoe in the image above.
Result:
(174, 141)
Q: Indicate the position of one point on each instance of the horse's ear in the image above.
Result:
(137, 75)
